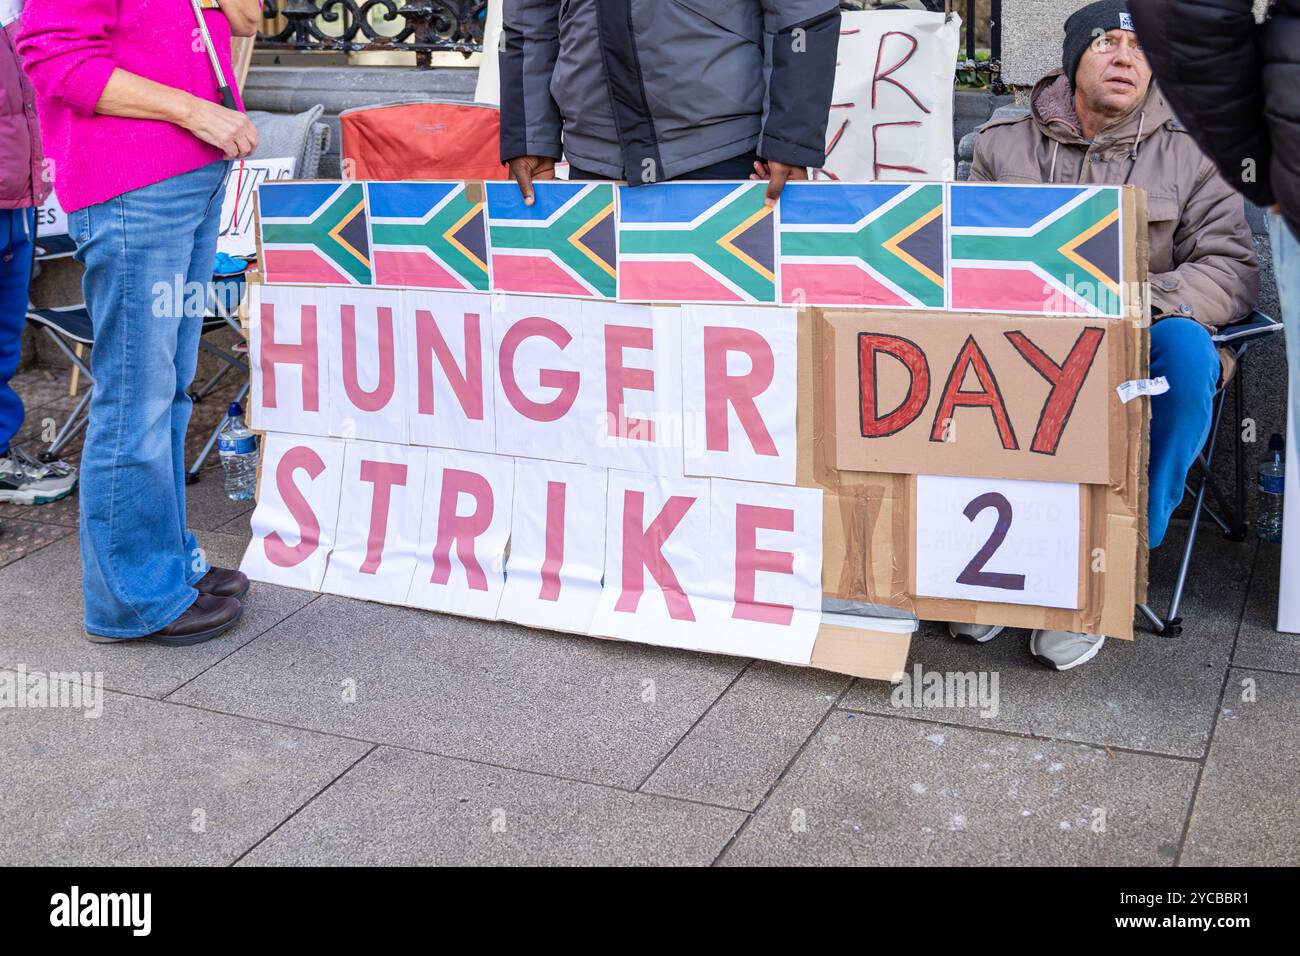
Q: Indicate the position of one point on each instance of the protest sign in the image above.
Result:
(891, 109)
(703, 476)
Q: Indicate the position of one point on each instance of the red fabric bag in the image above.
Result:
(422, 141)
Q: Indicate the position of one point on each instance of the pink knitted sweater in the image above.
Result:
(69, 50)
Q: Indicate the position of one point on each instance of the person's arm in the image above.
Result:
(800, 40)
(245, 16)
(530, 120)
(68, 57)
(1217, 277)
(130, 95)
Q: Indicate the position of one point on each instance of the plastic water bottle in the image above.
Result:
(237, 446)
(1272, 482)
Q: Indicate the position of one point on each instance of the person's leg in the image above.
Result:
(1183, 352)
(134, 563)
(189, 329)
(1286, 268)
(16, 227)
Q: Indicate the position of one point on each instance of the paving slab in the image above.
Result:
(1259, 644)
(888, 791)
(397, 807)
(601, 711)
(41, 596)
(206, 505)
(149, 783)
(1151, 693)
(1247, 810)
(20, 538)
(739, 748)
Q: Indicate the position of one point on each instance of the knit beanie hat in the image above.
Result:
(1088, 23)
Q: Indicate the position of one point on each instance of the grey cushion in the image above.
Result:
(300, 135)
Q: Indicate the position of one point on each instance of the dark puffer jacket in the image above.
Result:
(1235, 85)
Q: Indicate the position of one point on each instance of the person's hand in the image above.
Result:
(244, 16)
(229, 130)
(776, 175)
(527, 168)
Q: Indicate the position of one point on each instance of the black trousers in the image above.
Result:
(738, 167)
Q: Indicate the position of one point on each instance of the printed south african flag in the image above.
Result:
(1053, 250)
(563, 244)
(427, 235)
(314, 233)
(696, 242)
(876, 244)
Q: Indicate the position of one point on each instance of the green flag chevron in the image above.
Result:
(883, 244)
(337, 231)
(581, 237)
(735, 242)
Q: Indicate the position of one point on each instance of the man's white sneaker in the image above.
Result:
(979, 633)
(1064, 649)
(26, 481)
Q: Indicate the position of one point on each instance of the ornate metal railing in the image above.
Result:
(423, 27)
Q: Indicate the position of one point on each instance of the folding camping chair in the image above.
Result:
(1230, 515)
(429, 140)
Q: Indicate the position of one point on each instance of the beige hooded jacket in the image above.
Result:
(1202, 259)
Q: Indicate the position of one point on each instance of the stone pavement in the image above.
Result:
(324, 730)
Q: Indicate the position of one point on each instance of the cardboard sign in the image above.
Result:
(891, 110)
(466, 523)
(375, 539)
(557, 542)
(289, 344)
(297, 511)
(368, 382)
(238, 235)
(705, 476)
(741, 377)
(917, 394)
(983, 539)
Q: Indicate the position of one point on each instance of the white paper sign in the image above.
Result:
(740, 382)
(1005, 540)
(379, 526)
(634, 367)
(541, 406)
(297, 511)
(765, 550)
(238, 235)
(656, 557)
(557, 545)
(891, 110)
(450, 362)
(369, 345)
(460, 567)
(289, 343)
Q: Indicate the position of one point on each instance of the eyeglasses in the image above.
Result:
(1109, 46)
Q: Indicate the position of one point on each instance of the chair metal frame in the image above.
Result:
(1230, 515)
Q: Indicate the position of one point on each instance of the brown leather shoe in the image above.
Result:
(208, 617)
(222, 582)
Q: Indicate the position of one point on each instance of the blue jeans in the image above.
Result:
(1286, 266)
(139, 563)
(16, 230)
(1183, 352)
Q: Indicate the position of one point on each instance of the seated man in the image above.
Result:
(1103, 121)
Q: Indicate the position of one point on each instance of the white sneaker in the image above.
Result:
(26, 481)
(1064, 649)
(979, 633)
